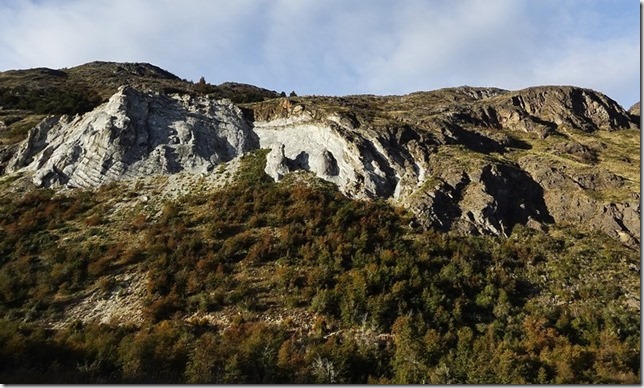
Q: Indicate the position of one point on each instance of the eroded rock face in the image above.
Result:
(543, 109)
(362, 164)
(449, 162)
(478, 196)
(564, 193)
(634, 111)
(134, 134)
(488, 198)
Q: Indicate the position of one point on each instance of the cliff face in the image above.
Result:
(470, 160)
(477, 161)
(134, 134)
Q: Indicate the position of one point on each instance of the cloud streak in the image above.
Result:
(340, 46)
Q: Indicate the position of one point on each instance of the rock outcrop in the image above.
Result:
(471, 160)
(134, 134)
(441, 166)
(543, 109)
(634, 111)
(362, 163)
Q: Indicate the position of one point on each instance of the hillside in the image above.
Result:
(158, 230)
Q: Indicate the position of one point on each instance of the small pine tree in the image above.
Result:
(283, 94)
(202, 86)
(293, 94)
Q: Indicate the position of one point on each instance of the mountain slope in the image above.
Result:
(26, 96)
(450, 156)
(162, 234)
(291, 281)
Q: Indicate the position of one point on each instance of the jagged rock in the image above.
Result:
(635, 109)
(490, 199)
(567, 195)
(134, 134)
(543, 109)
(333, 150)
(580, 152)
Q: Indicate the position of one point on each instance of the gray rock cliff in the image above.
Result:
(134, 134)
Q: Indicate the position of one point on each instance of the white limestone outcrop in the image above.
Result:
(134, 134)
(138, 134)
(335, 151)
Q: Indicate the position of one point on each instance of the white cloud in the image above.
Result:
(340, 46)
(178, 33)
(438, 46)
(608, 66)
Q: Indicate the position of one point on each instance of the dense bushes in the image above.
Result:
(392, 304)
(68, 99)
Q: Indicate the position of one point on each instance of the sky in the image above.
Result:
(341, 47)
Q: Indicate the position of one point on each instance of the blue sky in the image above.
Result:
(339, 47)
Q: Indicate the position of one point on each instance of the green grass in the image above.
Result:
(18, 130)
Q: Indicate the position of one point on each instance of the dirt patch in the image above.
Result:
(122, 304)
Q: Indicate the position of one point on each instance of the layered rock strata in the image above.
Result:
(134, 134)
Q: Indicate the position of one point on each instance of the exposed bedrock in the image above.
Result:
(445, 163)
(134, 134)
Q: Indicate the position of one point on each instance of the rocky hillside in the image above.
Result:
(471, 160)
(156, 230)
(635, 111)
(28, 96)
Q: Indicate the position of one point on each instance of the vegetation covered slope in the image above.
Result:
(293, 282)
(230, 277)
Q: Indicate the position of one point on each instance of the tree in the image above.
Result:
(202, 86)
(324, 371)
(292, 94)
(408, 363)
